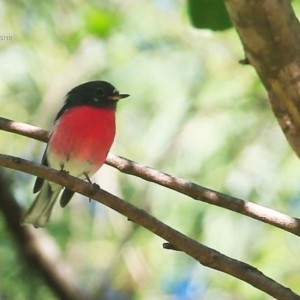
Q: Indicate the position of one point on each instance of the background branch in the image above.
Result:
(205, 255)
(59, 276)
(185, 187)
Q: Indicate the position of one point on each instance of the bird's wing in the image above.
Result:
(40, 181)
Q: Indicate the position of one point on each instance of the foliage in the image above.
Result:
(209, 14)
(193, 112)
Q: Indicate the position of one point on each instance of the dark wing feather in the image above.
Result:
(66, 197)
(40, 181)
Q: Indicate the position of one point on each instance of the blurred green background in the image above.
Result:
(194, 112)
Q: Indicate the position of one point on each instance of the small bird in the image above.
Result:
(83, 132)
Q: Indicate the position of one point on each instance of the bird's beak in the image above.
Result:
(117, 97)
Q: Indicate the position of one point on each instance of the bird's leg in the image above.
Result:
(87, 178)
(95, 185)
(63, 172)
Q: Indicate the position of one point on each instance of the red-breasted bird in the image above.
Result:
(79, 142)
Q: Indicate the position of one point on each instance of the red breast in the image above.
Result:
(82, 134)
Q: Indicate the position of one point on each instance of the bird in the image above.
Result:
(81, 137)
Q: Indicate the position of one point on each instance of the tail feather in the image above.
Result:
(40, 210)
(66, 197)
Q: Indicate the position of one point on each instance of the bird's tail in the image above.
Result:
(40, 210)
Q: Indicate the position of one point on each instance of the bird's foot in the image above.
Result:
(96, 187)
(64, 172)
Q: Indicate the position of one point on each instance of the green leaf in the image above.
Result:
(209, 14)
(101, 22)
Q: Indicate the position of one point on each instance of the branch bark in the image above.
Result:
(204, 255)
(270, 34)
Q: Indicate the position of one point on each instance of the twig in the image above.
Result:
(188, 188)
(24, 129)
(204, 255)
(200, 193)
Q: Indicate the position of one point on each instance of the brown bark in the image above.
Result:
(270, 34)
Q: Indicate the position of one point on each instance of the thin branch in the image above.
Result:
(204, 255)
(24, 129)
(185, 187)
(200, 193)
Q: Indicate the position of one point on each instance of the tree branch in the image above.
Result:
(188, 188)
(270, 34)
(203, 194)
(204, 255)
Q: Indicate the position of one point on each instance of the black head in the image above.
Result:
(94, 93)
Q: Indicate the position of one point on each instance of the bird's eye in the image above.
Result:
(99, 92)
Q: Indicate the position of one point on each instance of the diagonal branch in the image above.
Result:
(204, 255)
(185, 187)
(201, 193)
